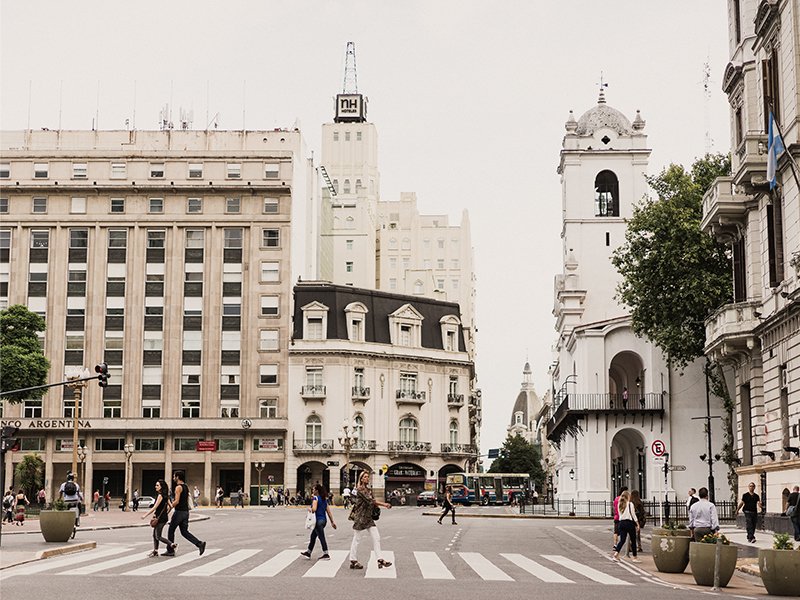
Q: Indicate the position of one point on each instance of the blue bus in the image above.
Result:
(488, 488)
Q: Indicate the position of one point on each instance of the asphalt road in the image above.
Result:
(255, 553)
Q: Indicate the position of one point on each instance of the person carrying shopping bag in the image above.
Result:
(322, 512)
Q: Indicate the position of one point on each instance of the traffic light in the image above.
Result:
(102, 374)
(7, 439)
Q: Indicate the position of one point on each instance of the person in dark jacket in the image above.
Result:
(160, 510)
(794, 500)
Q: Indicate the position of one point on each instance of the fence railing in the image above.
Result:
(604, 509)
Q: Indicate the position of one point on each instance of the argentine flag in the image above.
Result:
(774, 149)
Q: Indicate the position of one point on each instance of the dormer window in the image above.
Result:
(315, 321)
(405, 327)
(356, 314)
(606, 194)
(450, 325)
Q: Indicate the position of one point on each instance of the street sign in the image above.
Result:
(493, 453)
(333, 463)
(659, 460)
(659, 448)
(677, 467)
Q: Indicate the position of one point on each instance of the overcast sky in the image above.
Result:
(469, 99)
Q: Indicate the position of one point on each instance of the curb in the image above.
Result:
(511, 516)
(108, 527)
(43, 554)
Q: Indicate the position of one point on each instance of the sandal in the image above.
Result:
(152, 553)
(354, 564)
(383, 563)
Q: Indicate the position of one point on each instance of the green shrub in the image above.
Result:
(712, 538)
(782, 541)
(59, 504)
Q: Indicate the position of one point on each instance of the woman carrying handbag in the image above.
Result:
(160, 511)
(366, 509)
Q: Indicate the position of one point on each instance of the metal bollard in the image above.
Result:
(717, 556)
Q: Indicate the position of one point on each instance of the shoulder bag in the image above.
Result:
(792, 510)
(154, 522)
(376, 512)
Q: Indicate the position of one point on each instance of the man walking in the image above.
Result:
(135, 499)
(196, 496)
(752, 506)
(691, 499)
(180, 516)
(703, 517)
(794, 514)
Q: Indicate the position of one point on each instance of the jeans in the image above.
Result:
(626, 528)
(180, 519)
(750, 518)
(376, 542)
(796, 523)
(318, 532)
(157, 536)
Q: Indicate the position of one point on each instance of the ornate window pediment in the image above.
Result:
(766, 16)
(405, 327)
(315, 321)
(733, 73)
(356, 321)
(449, 325)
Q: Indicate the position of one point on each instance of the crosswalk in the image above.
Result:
(260, 563)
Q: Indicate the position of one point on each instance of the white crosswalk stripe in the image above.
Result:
(167, 563)
(432, 566)
(328, 568)
(226, 562)
(483, 567)
(374, 572)
(535, 569)
(274, 565)
(589, 572)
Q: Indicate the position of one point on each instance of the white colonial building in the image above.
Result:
(758, 335)
(616, 396)
(394, 366)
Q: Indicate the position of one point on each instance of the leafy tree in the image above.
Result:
(29, 474)
(674, 274)
(22, 362)
(518, 455)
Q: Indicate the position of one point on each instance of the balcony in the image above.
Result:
(364, 446)
(729, 331)
(462, 449)
(313, 447)
(312, 392)
(398, 448)
(360, 394)
(455, 400)
(750, 163)
(410, 397)
(575, 407)
(724, 211)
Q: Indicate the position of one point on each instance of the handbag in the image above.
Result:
(154, 522)
(310, 520)
(792, 510)
(376, 512)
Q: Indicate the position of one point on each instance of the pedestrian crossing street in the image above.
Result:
(260, 563)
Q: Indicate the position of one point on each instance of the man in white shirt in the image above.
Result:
(703, 516)
(346, 496)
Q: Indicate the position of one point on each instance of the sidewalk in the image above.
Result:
(18, 547)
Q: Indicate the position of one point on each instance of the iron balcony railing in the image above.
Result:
(312, 391)
(409, 447)
(459, 449)
(318, 446)
(455, 399)
(364, 446)
(360, 393)
(412, 396)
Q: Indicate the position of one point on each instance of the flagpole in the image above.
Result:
(793, 165)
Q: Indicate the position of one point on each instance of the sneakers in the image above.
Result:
(202, 547)
(615, 557)
(635, 560)
(307, 554)
(168, 553)
(354, 564)
(325, 556)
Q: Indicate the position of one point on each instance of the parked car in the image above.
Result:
(144, 502)
(427, 498)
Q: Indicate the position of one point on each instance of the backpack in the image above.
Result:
(7, 502)
(70, 488)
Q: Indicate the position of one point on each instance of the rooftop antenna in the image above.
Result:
(97, 108)
(134, 105)
(603, 85)
(350, 84)
(187, 117)
(60, 103)
(707, 102)
(164, 121)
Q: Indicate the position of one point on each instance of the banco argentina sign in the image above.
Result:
(23, 424)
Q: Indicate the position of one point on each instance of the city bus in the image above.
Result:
(488, 488)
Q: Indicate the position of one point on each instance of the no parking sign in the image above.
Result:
(659, 448)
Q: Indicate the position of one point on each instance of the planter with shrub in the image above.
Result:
(670, 547)
(779, 566)
(702, 556)
(58, 523)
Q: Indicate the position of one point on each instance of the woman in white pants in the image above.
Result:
(361, 515)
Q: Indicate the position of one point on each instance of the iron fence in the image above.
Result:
(604, 509)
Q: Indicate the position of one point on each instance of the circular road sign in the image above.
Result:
(658, 448)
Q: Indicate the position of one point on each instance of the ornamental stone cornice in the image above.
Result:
(766, 16)
(733, 73)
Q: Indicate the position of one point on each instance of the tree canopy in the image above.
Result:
(674, 274)
(518, 455)
(22, 362)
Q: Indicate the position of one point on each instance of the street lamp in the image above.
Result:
(128, 449)
(74, 375)
(259, 467)
(83, 453)
(348, 437)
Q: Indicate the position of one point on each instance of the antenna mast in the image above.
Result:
(706, 103)
(350, 84)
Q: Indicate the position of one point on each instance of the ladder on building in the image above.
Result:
(327, 179)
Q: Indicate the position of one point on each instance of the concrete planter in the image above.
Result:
(670, 552)
(701, 557)
(56, 525)
(780, 571)
(675, 532)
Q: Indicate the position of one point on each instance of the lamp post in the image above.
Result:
(83, 452)
(259, 467)
(74, 375)
(128, 449)
(348, 437)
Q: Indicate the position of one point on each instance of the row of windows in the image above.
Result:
(408, 429)
(156, 170)
(408, 380)
(233, 206)
(156, 238)
(406, 244)
(37, 444)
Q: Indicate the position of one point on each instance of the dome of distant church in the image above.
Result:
(601, 116)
